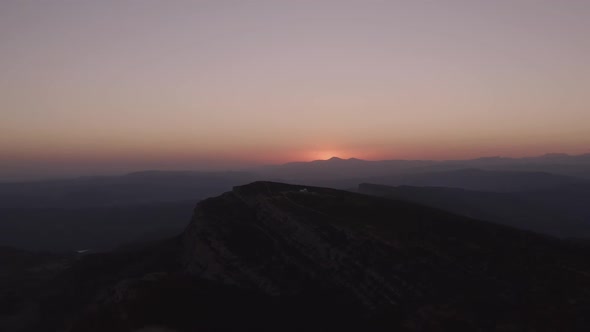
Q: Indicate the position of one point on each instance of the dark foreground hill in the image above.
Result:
(275, 257)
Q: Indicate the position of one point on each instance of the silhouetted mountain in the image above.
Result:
(560, 211)
(558, 163)
(562, 157)
(531, 173)
(156, 186)
(472, 179)
(118, 207)
(276, 257)
(475, 179)
(337, 168)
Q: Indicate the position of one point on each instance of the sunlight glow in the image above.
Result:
(326, 154)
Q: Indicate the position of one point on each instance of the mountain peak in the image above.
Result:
(342, 159)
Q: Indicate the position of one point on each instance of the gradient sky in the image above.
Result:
(93, 86)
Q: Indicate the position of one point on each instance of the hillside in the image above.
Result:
(270, 256)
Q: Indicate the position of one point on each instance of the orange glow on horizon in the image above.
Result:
(325, 154)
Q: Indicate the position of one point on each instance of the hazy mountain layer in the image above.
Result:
(560, 211)
(339, 169)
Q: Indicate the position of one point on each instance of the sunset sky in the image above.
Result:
(113, 86)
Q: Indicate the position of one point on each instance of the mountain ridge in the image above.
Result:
(274, 256)
(325, 228)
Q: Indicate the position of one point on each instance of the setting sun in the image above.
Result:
(326, 154)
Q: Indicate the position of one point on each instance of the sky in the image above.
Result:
(114, 86)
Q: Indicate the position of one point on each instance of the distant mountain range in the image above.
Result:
(336, 168)
(488, 174)
(100, 213)
(476, 179)
(276, 257)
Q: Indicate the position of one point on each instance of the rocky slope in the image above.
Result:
(390, 256)
(276, 257)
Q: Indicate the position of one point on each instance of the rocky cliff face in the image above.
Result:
(426, 265)
(264, 236)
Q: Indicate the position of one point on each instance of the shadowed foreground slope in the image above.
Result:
(270, 256)
(388, 255)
